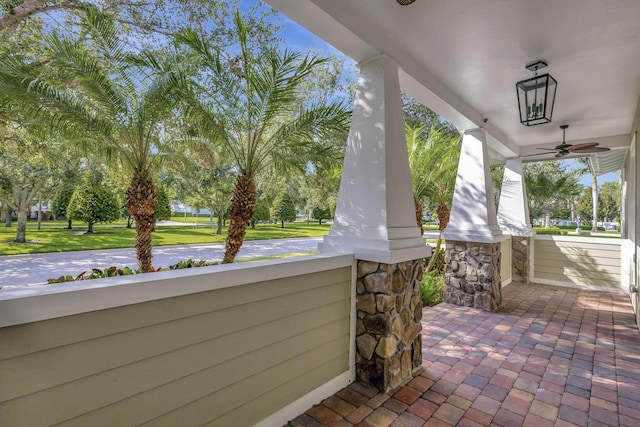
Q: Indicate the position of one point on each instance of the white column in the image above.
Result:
(473, 210)
(513, 209)
(375, 215)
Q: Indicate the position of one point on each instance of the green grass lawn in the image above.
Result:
(53, 237)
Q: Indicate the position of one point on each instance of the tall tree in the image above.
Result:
(27, 166)
(584, 207)
(611, 201)
(594, 191)
(113, 101)
(250, 107)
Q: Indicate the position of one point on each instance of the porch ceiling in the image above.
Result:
(462, 59)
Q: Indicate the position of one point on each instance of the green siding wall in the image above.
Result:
(224, 357)
(505, 260)
(584, 262)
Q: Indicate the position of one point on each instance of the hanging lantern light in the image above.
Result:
(536, 96)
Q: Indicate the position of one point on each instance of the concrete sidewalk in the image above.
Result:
(37, 268)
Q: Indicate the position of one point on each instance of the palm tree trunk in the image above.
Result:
(443, 213)
(418, 206)
(240, 214)
(141, 205)
(594, 194)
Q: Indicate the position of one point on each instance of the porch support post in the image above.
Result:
(513, 218)
(472, 254)
(375, 220)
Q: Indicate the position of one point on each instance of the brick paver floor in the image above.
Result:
(552, 356)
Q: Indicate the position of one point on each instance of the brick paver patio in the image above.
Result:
(552, 356)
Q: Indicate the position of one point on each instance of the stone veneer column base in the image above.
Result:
(388, 328)
(472, 275)
(520, 249)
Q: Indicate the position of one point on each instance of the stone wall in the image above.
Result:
(520, 249)
(388, 328)
(472, 275)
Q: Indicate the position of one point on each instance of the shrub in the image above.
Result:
(431, 288)
(113, 271)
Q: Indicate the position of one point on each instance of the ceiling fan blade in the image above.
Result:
(591, 150)
(585, 146)
(538, 154)
(548, 149)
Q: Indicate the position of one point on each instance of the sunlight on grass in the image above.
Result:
(54, 237)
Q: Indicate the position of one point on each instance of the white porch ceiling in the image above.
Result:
(462, 59)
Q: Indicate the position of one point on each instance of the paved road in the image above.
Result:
(37, 268)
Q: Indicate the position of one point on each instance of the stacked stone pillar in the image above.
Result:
(388, 329)
(520, 254)
(472, 275)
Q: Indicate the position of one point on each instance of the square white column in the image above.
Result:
(513, 209)
(375, 215)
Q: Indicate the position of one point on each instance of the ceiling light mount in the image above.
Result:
(536, 96)
(535, 66)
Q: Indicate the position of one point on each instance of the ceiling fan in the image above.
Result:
(565, 149)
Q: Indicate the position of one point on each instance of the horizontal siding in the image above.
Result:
(505, 263)
(142, 362)
(583, 263)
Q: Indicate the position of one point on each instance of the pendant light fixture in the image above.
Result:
(536, 96)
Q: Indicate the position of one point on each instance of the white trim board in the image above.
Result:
(582, 286)
(34, 303)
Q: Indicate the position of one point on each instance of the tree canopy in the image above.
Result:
(550, 186)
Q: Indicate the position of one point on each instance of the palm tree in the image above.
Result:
(433, 163)
(546, 183)
(250, 106)
(106, 99)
